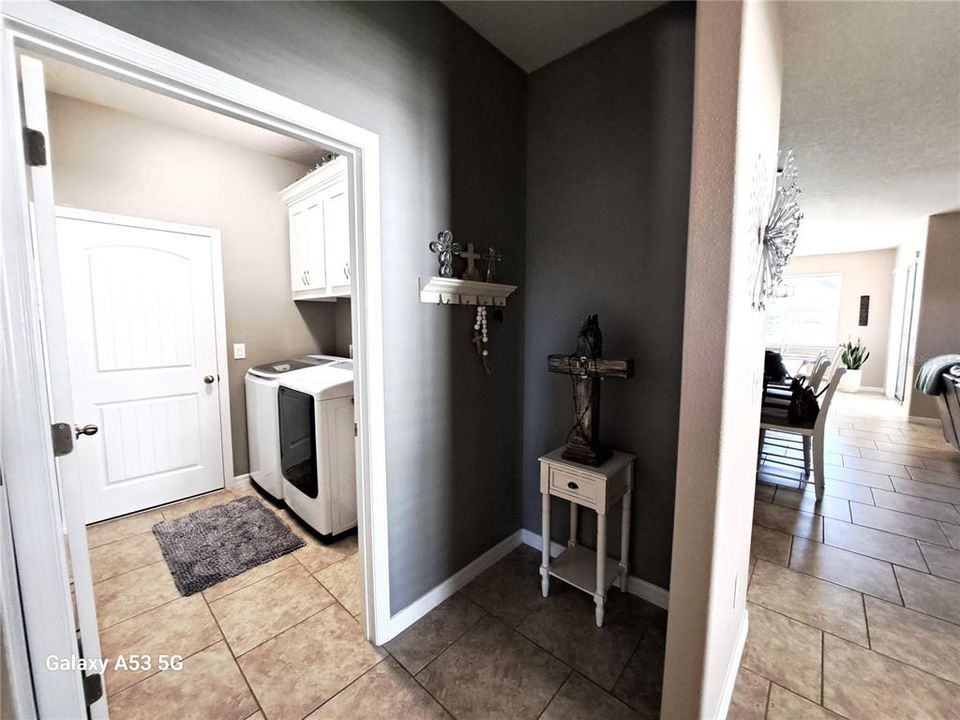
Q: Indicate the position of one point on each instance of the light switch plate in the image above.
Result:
(239, 351)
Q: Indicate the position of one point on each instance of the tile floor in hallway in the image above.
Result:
(282, 640)
(855, 602)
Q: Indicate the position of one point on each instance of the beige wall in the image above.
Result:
(863, 273)
(938, 325)
(736, 128)
(113, 162)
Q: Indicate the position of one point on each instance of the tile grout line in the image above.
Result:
(823, 667)
(236, 662)
(556, 692)
(158, 672)
(866, 619)
(766, 703)
(366, 672)
(899, 661)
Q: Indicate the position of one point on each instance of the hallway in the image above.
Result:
(855, 605)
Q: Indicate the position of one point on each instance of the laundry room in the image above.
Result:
(205, 269)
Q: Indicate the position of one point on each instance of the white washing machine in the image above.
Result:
(317, 451)
(263, 427)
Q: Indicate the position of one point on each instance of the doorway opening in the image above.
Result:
(137, 306)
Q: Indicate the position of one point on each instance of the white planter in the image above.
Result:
(850, 382)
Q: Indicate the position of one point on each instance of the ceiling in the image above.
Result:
(533, 34)
(73, 81)
(871, 107)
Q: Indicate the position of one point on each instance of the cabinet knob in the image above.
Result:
(346, 270)
(573, 486)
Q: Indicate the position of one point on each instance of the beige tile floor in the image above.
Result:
(855, 601)
(282, 640)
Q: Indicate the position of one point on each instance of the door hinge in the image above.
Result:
(355, 430)
(35, 145)
(62, 435)
(92, 688)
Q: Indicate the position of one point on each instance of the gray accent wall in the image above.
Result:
(450, 112)
(608, 176)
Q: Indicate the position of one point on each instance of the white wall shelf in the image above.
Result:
(451, 291)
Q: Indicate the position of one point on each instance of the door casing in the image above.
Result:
(26, 447)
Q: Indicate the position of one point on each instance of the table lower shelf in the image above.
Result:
(577, 566)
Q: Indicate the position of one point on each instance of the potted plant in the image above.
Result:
(854, 356)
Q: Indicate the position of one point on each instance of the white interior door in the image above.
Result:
(68, 692)
(141, 334)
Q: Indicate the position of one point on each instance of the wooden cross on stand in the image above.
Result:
(471, 273)
(587, 368)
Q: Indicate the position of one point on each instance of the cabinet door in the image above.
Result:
(336, 238)
(298, 242)
(313, 255)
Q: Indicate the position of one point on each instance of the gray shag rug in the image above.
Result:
(211, 545)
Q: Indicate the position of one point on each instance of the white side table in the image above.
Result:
(597, 488)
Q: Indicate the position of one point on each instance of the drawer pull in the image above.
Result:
(573, 486)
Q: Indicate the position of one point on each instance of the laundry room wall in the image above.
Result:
(116, 162)
(450, 113)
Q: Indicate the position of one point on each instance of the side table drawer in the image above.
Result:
(575, 487)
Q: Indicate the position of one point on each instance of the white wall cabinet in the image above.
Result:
(318, 211)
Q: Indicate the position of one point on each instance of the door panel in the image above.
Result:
(313, 245)
(141, 337)
(336, 238)
(82, 617)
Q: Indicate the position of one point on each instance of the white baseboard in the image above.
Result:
(730, 679)
(238, 481)
(932, 422)
(427, 602)
(872, 389)
(635, 586)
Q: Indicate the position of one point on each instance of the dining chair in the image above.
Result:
(773, 418)
(835, 360)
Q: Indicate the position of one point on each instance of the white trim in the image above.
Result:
(733, 669)
(219, 305)
(932, 422)
(871, 389)
(429, 600)
(635, 586)
(73, 37)
(239, 481)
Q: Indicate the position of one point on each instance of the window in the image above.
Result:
(806, 313)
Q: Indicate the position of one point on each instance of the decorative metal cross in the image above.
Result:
(587, 368)
(471, 273)
(492, 257)
(445, 248)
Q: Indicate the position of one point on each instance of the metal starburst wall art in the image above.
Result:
(780, 231)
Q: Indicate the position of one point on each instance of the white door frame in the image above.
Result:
(26, 445)
(219, 306)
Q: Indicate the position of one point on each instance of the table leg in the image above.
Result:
(545, 537)
(600, 598)
(573, 524)
(627, 501)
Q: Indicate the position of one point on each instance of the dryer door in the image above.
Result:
(298, 444)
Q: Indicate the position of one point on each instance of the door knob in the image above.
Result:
(85, 430)
(208, 379)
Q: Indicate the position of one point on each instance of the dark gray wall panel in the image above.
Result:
(450, 113)
(608, 175)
